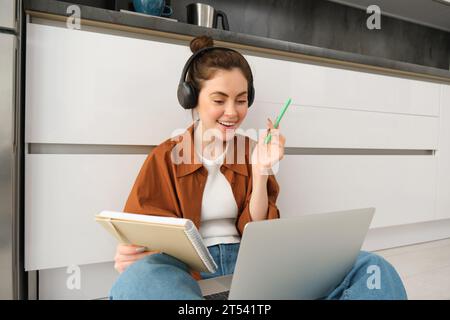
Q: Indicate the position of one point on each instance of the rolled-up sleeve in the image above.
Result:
(153, 192)
(273, 190)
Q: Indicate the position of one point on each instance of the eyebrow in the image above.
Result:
(224, 94)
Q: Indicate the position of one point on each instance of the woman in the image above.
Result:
(220, 196)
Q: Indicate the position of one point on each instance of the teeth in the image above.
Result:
(226, 123)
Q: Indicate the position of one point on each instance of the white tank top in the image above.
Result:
(219, 209)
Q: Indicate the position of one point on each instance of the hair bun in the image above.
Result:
(201, 42)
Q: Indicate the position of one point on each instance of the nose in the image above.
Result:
(230, 110)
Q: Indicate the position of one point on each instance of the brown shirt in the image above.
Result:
(170, 188)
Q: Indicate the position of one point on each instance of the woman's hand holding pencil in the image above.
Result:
(270, 147)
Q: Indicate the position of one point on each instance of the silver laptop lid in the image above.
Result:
(298, 258)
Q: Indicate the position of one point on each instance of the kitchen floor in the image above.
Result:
(424, 268)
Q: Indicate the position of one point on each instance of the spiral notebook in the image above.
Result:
(174, 236)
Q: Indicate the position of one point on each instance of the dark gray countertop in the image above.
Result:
(119, 18)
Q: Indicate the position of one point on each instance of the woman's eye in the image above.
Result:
(218, 101)
(242, 101)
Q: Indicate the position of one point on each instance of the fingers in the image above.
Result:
(270, 124)
(129, 249)
(280, 139)
(131, 252)
(123, 261)
(141, 249)
(133, 257)
(277, 137)
(281, 151)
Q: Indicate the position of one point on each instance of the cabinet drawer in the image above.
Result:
(63, 193)
(323, 86)
(90, 88)
(402, 188)
(313, 127)
(94, 280)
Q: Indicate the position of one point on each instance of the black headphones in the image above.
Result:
(188, 95)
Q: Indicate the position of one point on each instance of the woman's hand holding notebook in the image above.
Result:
(174, 236)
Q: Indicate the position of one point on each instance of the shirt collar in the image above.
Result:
(183, 169)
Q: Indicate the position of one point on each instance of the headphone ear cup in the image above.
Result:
(187, 95)
(251, 95)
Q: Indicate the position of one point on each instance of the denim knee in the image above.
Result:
(381, 275)
(368, 259)
(158, 276)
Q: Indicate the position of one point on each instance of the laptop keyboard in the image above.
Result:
(218, 296)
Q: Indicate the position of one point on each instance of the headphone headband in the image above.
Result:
(187, 94)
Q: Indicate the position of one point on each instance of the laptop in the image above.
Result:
(293, 258)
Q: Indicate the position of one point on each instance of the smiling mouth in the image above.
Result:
(227, 124)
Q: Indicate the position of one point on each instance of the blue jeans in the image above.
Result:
(160, 276)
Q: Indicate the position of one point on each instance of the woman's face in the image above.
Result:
(222, 102)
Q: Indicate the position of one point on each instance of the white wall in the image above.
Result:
(88, 89)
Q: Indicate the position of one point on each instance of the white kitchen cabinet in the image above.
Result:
(443, 156)
(63, 193)
(317, 127)
(105, 89)
(90, 88)
(329, 87)
(8, 14)
(90, 281)
(402, 188)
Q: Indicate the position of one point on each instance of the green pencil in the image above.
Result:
(277, 122)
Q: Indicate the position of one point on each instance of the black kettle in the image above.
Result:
(204, 15)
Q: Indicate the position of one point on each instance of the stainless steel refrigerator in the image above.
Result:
(12, 275)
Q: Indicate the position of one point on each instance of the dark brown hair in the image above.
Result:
(205, 66)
